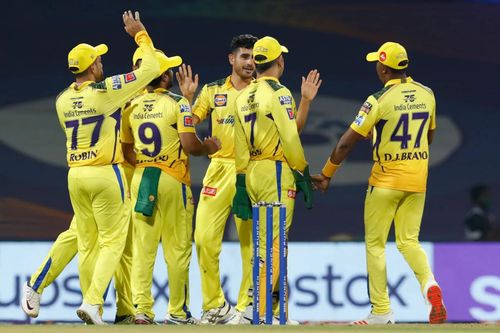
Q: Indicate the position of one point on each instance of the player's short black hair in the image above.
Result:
(399, 71)
(261, 68)
(246, 41)
(477, 191)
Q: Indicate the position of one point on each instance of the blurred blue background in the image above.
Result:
(453, 46)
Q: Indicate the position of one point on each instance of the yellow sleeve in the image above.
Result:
(121, 88)
(367, 117)
(284, 117)
(201, 106)
(184, 117)
(241, 151)
(126, 135)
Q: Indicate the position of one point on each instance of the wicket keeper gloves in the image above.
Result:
(242, 207)
(304, 184)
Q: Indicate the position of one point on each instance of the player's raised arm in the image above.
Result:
(308, 90)
(187, 82)
(121, 88)
(201, 106)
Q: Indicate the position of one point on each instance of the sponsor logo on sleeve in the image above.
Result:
(220, 100)
(366, 107)
(188, 121)
(285, 100)
(290, 112)
(360, 119)
(292, 194)
(129, 77)
(185, 108)
(210, 191)
(116, 82)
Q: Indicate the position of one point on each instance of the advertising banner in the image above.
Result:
(469, 275)
(327, 282)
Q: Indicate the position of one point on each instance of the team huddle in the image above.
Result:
(128, 144)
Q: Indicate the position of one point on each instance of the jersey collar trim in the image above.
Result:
(398, 81)
(267, 78)
(160, 90)
(81, 86)
(228, 85)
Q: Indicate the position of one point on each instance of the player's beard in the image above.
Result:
(246, 72)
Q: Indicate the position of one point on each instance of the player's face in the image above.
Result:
(242, 63)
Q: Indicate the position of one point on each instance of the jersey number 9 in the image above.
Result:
(148, 137)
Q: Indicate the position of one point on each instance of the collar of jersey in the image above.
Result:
(267, 78)
(160, 90)
(81, 86)
(227, 84)
(397, 81)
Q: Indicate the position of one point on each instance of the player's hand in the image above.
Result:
(132, 23)
(310, 85)
(320, 182)
(187, 82)
(213, 144)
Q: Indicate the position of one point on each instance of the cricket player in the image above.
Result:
(270, 161)
(158, 134)
(64, 250)
(215, 104)
(401, 117)
(89, 111)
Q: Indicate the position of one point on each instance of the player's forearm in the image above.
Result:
(344, 146)
(294, 153)
(196, 148)
(302, 113)
(193, 146)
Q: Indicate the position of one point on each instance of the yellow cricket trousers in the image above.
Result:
(213, 210)
(382, 207)
(172, 223)
(66, 247)
(102, 209)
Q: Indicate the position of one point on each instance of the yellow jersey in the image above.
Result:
(216, 102)
(265, 126)
(399, 117)
(152, 123)
(90, 114)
